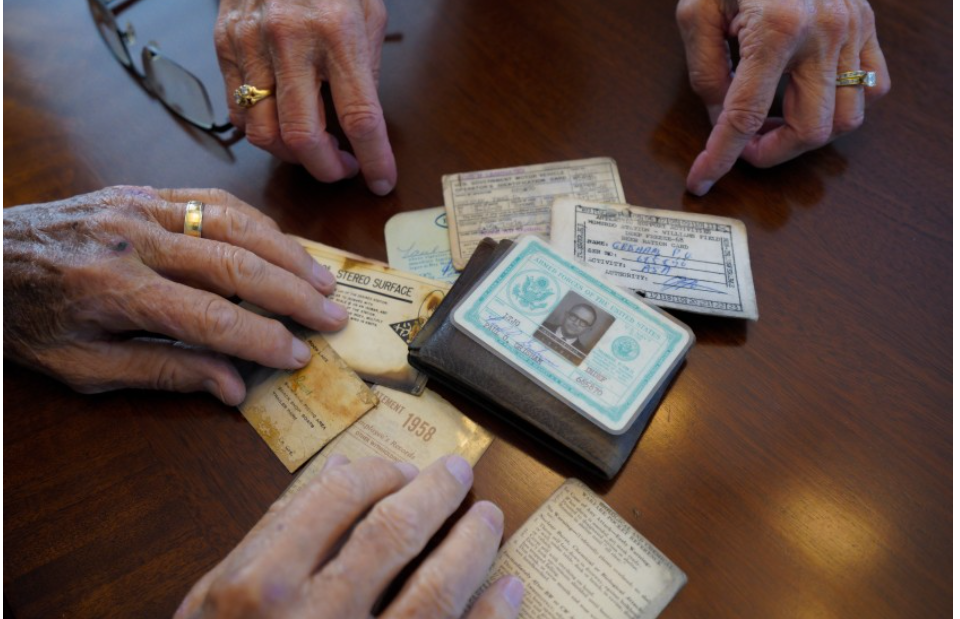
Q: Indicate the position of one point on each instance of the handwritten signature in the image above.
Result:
(686, 283)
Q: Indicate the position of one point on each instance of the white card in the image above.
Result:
(419, 242)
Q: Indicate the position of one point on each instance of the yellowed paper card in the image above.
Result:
(503, 204)
(404, 428)
(387, 308)
(578, 558)
(298, 412)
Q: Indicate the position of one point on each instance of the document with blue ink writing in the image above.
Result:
(688, 261)
(418, 242)
(592, 345)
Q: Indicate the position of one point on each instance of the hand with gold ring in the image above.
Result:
(332, 549)
(104, 290)
(276, 54)
(812, 42)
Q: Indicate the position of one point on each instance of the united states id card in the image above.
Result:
(584, 340)
(687, 261)
(505, 203)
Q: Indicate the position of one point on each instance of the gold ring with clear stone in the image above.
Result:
(857, 78)
(247, 96)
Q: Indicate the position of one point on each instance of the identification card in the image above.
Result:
(686, 261)
(387, 308)
(578, 558)
(587, 342)
(404, 428)
(299, 411)
(418, 242)
(503, 204)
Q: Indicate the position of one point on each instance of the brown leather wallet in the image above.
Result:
(451, 357)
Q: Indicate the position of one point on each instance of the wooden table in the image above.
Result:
(800, 466)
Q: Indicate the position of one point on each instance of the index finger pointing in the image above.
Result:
(354, 92)
(744, 111)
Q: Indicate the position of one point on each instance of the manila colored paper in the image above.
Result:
(589, 343)
(299, 411)
(404, 428)
(387, 308)
(418, 242)
(503, 204)
(578, 558)
(686, 261)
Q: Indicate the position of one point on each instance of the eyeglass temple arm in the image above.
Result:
(119, 6)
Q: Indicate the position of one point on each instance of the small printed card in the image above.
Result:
(578, 558)
(387, 308)
(503, 204)
(419, 242)
(404, 428)
(587, 342)
(299, 411)
(686, 261)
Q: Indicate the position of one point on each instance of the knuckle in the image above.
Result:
(300, 136)
(219, 318)
(745, 122)
(343, 486)
(437, 594)
(362, 120)
(835, 22)
(377, 16)
(687, 15)
(397, 526)
(335, 21)
(787, 18)
(816, 135)
(847, 123)
(238, 226)
(262, 136)
(234, 595)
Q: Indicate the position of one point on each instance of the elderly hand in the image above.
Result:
(809, 40)
(332, 549)
(84, 278)
(291, 47)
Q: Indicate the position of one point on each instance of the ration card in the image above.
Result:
(299, 411)
(419, 242)
(587, 342)
(404, 428)
(505, 203)
(686, 261)
(578, 558)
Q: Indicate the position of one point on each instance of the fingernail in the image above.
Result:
(334, 310)
(335, 460)
(513, 591)
(381, 187)
(322, 275)
(301, 352)
(408, 469)
(491, 514)
(460, 469)
(702, 188)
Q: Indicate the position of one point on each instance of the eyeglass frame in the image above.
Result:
(150, 52)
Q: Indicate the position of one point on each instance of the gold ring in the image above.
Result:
(247, 96)
(857, 78)
(193, 219)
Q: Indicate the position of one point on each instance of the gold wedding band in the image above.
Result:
(857, 78)
(193, 218)
(247, 96)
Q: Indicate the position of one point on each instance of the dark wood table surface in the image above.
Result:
(799, 466)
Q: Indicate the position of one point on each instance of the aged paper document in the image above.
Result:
(418, 242)
(387, 308)
(503, 204)
(687, 261)
(578, 558)
(404, 428)
(299, 411)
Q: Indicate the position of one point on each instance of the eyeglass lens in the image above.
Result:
(107, 25)
(179, 89)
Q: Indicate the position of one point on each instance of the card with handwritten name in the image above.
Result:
(418, 242)
(687, 261)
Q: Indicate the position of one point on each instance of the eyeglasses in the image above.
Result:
(181, 91)
(579, 321)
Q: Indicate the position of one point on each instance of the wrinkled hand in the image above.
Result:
(292, 47)
(310, 557)
(84, 278)
(811, 41)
